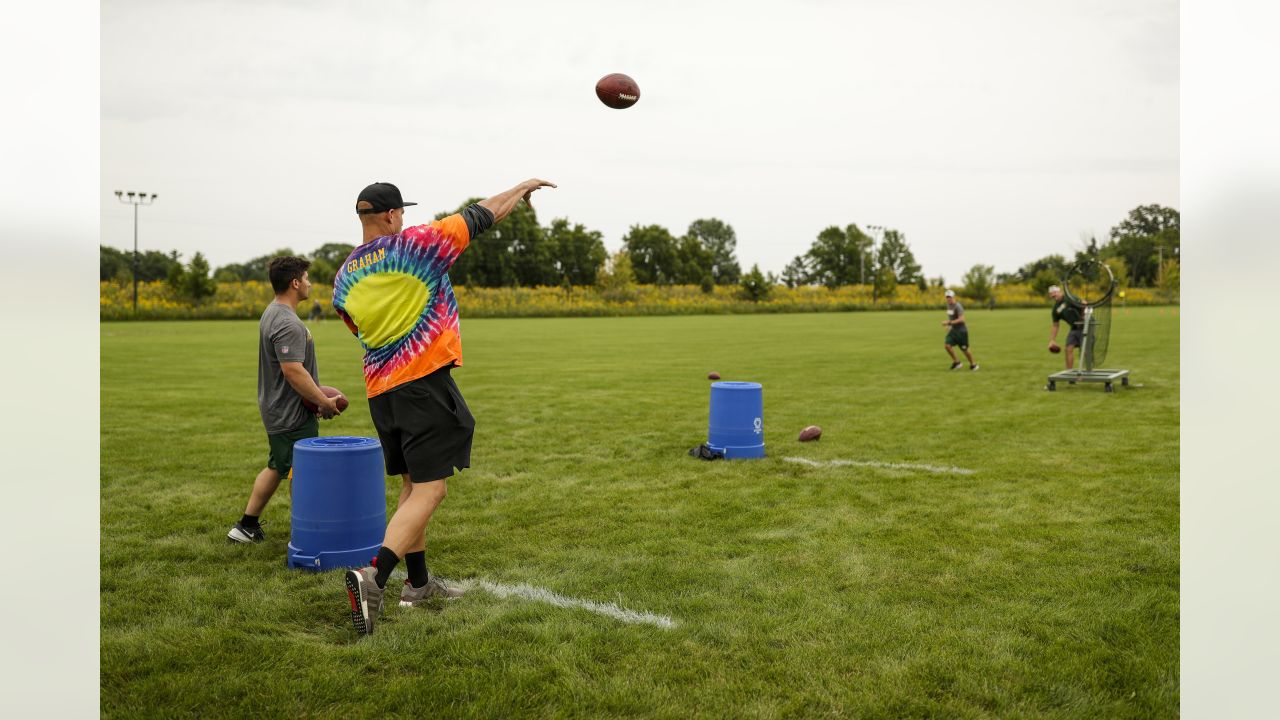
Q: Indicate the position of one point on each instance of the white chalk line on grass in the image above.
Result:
(537, 594)
(947, 470)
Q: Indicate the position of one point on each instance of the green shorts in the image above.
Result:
(280, 458)
(958, 337)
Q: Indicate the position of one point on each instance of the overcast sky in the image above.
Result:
(989, 131)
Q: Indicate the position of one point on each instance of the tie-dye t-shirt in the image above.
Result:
(394, 294)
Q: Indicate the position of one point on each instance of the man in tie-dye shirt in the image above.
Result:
(394, 294)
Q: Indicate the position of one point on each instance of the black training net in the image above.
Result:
(1097, 335)
(1090, 285)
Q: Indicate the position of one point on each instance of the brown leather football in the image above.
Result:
(328, 392)
(813, 432)
(713, 375)
(1054, 348)
(617, 91)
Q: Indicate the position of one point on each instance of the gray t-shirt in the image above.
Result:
(282, 338)
(955, 311)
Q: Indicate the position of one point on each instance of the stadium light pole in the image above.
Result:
(135, 199)
(862, 257)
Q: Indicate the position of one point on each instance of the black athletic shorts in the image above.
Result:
(425, 427)
(1075, 336)
(958, 336)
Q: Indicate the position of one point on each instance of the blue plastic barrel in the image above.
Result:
(339, 502)
(736, 427)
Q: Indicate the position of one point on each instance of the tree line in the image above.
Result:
(1142, 250)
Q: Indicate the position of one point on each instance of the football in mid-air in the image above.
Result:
(331, 392)
(617, 91)
(813, 432)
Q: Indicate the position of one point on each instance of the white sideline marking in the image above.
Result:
(890, 465)
(529, 592)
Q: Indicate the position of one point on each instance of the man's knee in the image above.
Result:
(436, 489)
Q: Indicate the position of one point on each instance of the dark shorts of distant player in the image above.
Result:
(1075, 338)
(958, 337)
(425, 427)
(280, 458)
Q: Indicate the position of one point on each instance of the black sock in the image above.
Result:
(385, 563)
(249, 521)
(416, 564)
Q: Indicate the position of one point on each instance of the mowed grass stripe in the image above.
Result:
(1044, 585)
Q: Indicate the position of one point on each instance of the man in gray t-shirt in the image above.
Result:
(286, 374)
(957, 332)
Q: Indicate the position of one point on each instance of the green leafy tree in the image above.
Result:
(488, 260)
(895, 254)
(885, 283)
(1170, 279)
(754, 286)
(326, 260)
(196, 283)
(1146, 234)
(1043, 280)
(255, 269)
(1147, 221)
(720, 242)
(797, 272)
(654, 255)
(177, 280)
(708, 285)
(617, 280)
(1119, 270)
(113, 264)
(695, 261)
(578, 253)
(979, 281)
(533, 257)
(152, 264)
(834, 258)
(1055, 265)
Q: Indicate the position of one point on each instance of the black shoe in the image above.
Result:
(955, 365)
(242, 534)
(973, 366)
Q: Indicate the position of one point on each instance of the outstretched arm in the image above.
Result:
(503, 203)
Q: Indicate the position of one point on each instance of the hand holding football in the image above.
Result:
(1053, 348)
(329, 392)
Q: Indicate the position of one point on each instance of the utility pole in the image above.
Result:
(1159, 265)
(135, 199)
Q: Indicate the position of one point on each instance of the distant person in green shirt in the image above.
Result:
(1064, 309)
(957, 332)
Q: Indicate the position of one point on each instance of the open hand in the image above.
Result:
(532, 185)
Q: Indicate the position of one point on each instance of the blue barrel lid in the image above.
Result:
(735, 385)
(338, 442)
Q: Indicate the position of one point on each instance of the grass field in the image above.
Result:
(1044, 584)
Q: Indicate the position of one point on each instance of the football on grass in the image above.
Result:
(713, 375)
(331, 392)
(813, 432)
(617, 91)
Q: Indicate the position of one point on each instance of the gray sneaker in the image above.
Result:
(410, 595)
(366, 598)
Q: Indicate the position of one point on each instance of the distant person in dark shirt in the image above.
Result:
(1064, 309)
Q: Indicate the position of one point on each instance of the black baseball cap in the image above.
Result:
(383, 197)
